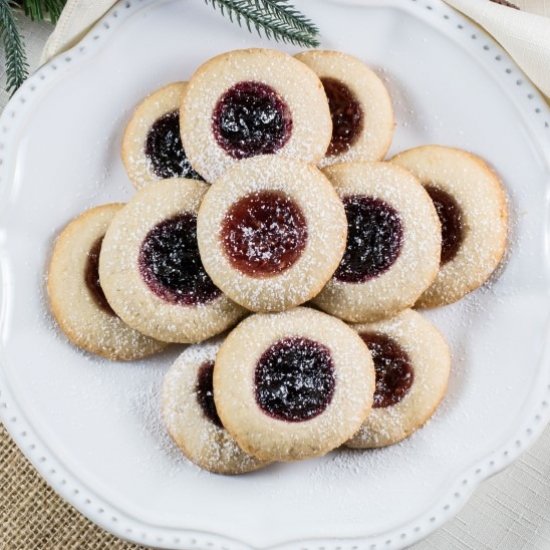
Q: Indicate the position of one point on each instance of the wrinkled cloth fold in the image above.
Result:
(523, 33)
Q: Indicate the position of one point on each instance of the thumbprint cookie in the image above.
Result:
(271, 232)
(393, 244)
(150, 268)
(77, 300)
(412, 364)
(359, 103)
(293, 385)
(191, 418)
(471, 204)
(151, 146)
(253, 102)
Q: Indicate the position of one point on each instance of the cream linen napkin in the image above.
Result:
(524, 34)
(76, 19)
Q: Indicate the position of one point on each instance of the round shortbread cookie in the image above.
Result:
(151, 146)
(293, 385)
(253, 102)
(412, 363)
(393, 246)
(271, 232)
(360, 106)
(76, 297)
(190, 415)
(471, 203)
(150, 268)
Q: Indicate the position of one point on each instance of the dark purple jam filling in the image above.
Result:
(346, 113)
(205, 393)
(251, 119)
(91, 276)
(170, 264)
(375, 237)
(164, 149)
(450, 217)
(294, 379)
(394, 372)
(264, 233)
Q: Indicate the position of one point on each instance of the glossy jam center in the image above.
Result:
(164, 149)
(170, 264)
(375, 237)
(450, 217)
(205, 393)
(394, 372)
(294, 379)
(91, 277)
(251, 119)
(346, 113)
(264, 233)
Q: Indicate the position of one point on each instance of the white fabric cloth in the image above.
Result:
(524, 34)
(77, 17)
(511, 510)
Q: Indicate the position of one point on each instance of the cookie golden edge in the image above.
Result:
(174, 390)
(433, 297)
(123, 285)
(233, 282)
(55, 287)
(369, 436)
(346, 307)
(298, 451)
(158, 104)
(364, 149)
(212, 167)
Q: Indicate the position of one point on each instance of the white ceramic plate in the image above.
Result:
(92, 428)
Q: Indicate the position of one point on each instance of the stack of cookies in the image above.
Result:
(263, 200)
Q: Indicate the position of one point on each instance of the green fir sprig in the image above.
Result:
(17, 68)
(40, 10)
(277, 19)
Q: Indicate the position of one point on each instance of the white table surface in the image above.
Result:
(511, 511)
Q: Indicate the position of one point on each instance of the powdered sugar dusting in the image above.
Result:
(200, 438)
(184, 306)
(479, 195)
(402, 246)
(306, 271)
(302, 130)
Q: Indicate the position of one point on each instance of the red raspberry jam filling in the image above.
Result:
(394, 372)
(170, 264)
(450, 216)
(91, 277)
(164, 150)
(251, 119)
(375, 238)
(294, 379)
(264, 233)
(205, 393)
(346, 113)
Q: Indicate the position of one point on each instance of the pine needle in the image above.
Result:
(277, 19)
(37, 10)
(17, 68)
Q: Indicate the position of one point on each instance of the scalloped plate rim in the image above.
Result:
(65, 483)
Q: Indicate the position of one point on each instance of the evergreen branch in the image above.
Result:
(17, 68)
(54, 8)
(276, 19)
(38, 9)
(286, 12)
